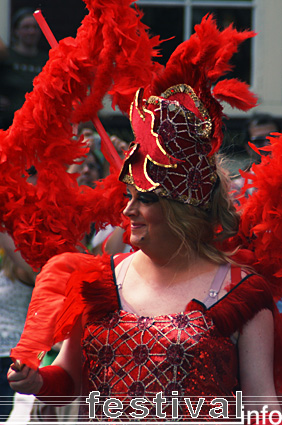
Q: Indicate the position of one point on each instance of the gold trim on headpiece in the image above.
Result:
(136, 104)
(142, 113)
(129, 179)
(164, 152)
(184, 88)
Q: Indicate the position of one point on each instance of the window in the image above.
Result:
(177, 18)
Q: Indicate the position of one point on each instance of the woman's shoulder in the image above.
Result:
(245, 297)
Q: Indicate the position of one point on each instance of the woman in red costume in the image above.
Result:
(180, 316)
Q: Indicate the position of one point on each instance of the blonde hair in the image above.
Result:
(200, 229)
(8, 266)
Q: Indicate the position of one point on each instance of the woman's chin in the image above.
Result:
(137, 241)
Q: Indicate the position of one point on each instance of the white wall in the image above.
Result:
(5, 20)
(268, 56)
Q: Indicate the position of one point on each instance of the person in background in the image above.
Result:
(121, 147)
(110, 239)
(89, 169)
(87, 129)
(3, 49)
(19, 66)
(258, 128)
(16, 283)
(93, 168)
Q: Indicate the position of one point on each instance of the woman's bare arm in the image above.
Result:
(70, 356)
(256, 344)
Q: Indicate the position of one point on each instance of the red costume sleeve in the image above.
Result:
(58, 386)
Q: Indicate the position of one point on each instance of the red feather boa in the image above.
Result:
(52, 217)
(260, 230)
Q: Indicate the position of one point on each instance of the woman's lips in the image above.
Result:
(136, 226)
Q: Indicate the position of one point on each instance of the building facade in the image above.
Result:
(260, 61)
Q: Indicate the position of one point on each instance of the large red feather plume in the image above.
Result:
(200, 62)
(261, 223)
(40, 217)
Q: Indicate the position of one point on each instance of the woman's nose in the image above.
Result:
(131, 208)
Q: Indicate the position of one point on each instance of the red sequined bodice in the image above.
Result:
(129, 356)
(189, 354)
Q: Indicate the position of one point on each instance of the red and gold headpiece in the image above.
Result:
(171, 152)
(177, 119)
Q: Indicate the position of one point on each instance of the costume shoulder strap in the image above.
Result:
(216, 285)
(120, 257)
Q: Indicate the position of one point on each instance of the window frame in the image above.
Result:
(189, 4)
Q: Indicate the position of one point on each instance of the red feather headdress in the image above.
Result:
(177, 121)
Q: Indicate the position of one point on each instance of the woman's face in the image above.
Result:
(149, 227)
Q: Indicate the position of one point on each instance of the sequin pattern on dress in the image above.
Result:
(130, 356)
